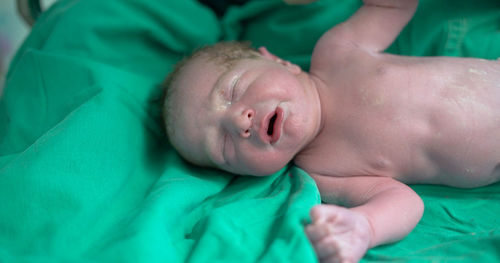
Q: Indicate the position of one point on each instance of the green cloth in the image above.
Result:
(86, 173)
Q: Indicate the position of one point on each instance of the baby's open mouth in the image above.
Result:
(271, 126)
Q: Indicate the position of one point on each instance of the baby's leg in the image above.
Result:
(338, 234)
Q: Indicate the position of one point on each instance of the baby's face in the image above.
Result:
(250, 119)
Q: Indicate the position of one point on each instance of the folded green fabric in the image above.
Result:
(86, 173)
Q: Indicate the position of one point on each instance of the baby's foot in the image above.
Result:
(338, 234)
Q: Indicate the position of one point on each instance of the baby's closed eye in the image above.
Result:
(232, 91)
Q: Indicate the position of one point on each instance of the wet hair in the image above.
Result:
(223, 54)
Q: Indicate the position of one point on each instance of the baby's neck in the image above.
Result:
(315, 86)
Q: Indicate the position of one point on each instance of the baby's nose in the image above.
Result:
(243, 122)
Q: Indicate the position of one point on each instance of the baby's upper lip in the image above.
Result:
(276, 129)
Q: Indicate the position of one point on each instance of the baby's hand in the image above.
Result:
(338, 234)
(298, 2)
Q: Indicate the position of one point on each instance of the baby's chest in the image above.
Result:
(362, 157)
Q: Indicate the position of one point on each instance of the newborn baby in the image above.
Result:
(362, 123)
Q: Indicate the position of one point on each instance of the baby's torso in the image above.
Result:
(419, 120)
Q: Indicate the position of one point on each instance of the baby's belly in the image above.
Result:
(467, 171)
(453, 161)
(465, 143)
(465, 150)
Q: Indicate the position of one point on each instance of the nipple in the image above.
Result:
(381, 164)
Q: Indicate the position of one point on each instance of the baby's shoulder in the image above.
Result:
(343, 58)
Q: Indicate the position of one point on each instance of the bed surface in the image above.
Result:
(86, 173)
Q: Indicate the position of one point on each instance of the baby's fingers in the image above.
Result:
(316, 232)
(325, 213)
(327, 250)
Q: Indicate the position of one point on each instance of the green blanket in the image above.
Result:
(86, 174)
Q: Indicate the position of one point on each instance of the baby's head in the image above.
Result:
(244, 111)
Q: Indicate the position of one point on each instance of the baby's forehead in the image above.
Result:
(201, 77)
(196, 76)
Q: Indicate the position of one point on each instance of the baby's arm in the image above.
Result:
(379, 210)
(374, 26)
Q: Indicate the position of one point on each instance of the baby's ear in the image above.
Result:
(294, 69)
(265, 53)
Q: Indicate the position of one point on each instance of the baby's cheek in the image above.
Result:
(295, 124)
